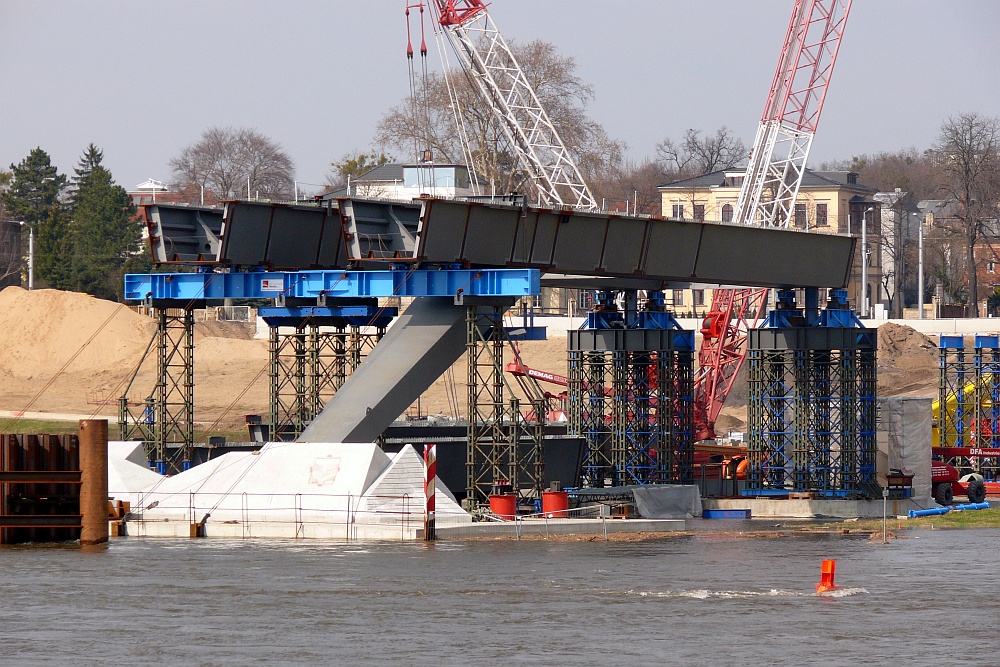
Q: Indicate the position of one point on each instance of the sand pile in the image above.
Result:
(907, 362)
(41, 330)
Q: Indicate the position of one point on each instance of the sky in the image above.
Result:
(143, 80)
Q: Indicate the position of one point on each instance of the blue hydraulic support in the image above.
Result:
(812, 409)
(456, 283)
(328, 316)
(631, 392)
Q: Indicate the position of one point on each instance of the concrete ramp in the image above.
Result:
(417, 349)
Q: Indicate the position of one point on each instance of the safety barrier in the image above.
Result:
(300, 515)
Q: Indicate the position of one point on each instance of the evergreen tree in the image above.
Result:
(105, 235)
(92, 157)
(33, 197)
(34, 189)
(54, 251)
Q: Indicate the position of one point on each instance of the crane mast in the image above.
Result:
(785, 134)
(499, 78)
(770, 187)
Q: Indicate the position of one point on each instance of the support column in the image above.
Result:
(94, 481)
(289, 406)
(504, 447)
(488, 461)
(173, 400)
(812, 404)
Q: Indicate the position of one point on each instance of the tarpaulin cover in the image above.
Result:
(667, 501)
(904, 440)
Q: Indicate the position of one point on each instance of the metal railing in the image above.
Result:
(297, 511)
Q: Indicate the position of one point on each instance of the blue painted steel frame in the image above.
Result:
(333, 284)
(360, 316)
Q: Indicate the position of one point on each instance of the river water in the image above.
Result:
(710, 598)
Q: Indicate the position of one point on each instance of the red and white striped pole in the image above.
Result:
(430, 473)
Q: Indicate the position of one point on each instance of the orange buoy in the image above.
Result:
(827, 575)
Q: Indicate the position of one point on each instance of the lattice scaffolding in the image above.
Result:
(812, 410)
(631, 398)
(504, 446)
(309, 363)
(968, 406)
(164, 418)
(289, 404)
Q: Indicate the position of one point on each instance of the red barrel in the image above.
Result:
(555, 504)
(504, 506)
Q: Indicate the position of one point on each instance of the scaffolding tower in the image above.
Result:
(504, 445)
(165, 418)
(812, 409)
(313, 350)
(631, 394)
(969, 401)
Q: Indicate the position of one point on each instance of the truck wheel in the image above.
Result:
(976, 491)
(943, 494)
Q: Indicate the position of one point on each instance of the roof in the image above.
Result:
(152, 185)
(810, 179)
(386, 172)
(394, 171)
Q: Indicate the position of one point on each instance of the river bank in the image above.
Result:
(769, 529)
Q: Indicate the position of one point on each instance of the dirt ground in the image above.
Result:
(69, 352)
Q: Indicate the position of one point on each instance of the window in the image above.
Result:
(800, 215)
(699, 212)
(678, 211)
(991, 267)
(821, 220)
(678, 297)
(698, 297)
(727, 213)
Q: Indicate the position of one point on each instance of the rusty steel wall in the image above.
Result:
(39, 488)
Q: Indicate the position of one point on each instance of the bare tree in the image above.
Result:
(231, 162)
(427, 121)
(695, 155)
(911, 171)
(969, 153)
(632, 187)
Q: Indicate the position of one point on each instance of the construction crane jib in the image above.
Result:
(770, 187)
(781, 148)
(500, 79)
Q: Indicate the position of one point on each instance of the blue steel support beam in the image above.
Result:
(361, 316)
(333, 284)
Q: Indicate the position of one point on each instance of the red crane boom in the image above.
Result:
(767, 197)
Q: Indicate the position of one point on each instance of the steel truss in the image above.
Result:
(504, 447)
(812, 412)
(164, 420)
(969, 401)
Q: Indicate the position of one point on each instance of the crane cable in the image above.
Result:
(413, 79)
